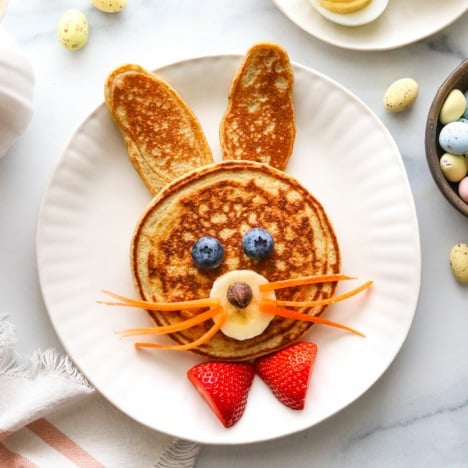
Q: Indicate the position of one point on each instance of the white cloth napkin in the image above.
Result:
(50, 416)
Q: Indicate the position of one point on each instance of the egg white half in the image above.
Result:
(366, 15)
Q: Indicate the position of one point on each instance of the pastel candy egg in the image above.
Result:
(453, 107)
(459, 262)
(401, 94)
(72, 31)
(454, 167)
(453, 138)
(463, 189)
(110, 6)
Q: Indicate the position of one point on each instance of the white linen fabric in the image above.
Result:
(51, 416)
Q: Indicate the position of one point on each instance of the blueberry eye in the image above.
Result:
(257, 243)
(207, 253)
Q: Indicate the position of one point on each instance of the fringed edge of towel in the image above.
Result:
(179, 454)
(7, 333)
(40, 363)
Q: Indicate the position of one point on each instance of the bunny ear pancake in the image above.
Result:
(163, 136)
(259, 124)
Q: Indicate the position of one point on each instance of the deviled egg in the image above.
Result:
(350, 12)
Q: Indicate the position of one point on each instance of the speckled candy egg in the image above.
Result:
(459, 262)
(401, 94)
(72, 31)
(454, 167)
(110, 6)
(453, 138)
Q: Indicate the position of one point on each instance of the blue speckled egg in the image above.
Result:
(454, 138)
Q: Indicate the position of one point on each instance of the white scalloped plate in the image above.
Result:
(92, 203)
(403, 22)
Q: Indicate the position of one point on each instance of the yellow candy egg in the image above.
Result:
(459, 262)
(72, 31)
(110, 6)
(400, 95)
(453, 107)
(453, 166)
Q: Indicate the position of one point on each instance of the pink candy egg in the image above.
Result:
(463, 189)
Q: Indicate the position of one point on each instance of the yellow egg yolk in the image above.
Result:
(344, 6)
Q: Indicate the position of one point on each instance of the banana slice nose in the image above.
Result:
(240, 297)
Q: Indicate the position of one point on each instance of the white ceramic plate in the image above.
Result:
(92, 203)
(403, 22)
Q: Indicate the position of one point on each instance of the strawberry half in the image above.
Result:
(225, 386)
(288, 372)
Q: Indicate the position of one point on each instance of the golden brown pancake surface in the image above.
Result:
(225, 200)
(164, 138)
(259, 124)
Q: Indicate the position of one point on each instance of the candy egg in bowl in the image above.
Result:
(446, 138)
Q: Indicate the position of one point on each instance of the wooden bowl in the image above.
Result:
(458, 79)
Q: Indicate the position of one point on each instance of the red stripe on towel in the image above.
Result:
(63, 444)
(13, 459)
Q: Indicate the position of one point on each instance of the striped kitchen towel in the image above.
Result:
(50, 416)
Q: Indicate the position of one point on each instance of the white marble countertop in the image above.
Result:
(417, 413)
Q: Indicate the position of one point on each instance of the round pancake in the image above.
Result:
(225, 200)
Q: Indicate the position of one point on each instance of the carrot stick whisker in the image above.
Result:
(288, 283)
(159, 306)
(292, 314)
(330, 300)
(203, 339)
(164, 329)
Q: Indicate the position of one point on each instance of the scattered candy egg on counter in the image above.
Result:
(453, 107)
(459, 262)
(110, 6)
(72, 30)
(453, 138)
(463, 189)
(454, 167)
(401, 94)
